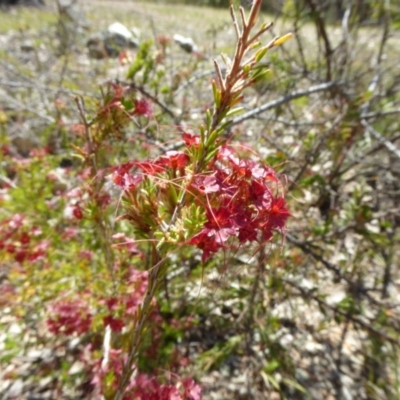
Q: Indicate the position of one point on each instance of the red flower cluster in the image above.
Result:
(69, 317)
(238, 196)
(126, 305)
(171, 162)
(116, 112)
(144, 386)
(239, 203)
(143, 107)
(16, 239)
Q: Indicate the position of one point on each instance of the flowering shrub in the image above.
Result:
(232, 199)
(206, 195)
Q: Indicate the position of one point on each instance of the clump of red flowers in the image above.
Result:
(20, 240)
(239, 198)
(69, 317)
(144, 386)
(239, 203)
(120, 309)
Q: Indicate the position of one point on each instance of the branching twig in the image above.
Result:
(372, 89)
(282, 100)
(306, 248)
(321, 29)
(142, 316)
(311, 295)
(389, 145)
(105, 230)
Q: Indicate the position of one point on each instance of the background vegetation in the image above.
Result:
(315, 316)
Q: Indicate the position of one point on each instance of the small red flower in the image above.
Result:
(207, 184)
(173, 159)
(248, 230)
(112, 303)
(77, 212)
(122, 178)
(143, 108)
(192, 389)
(25, 238)
(191, 140)
(10, 248)
(116, 324)
(279, 213)
(150, 167)
(20, 256)
(205, 240)
(219, 218)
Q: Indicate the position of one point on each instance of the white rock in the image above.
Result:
(118, 29)
(15, 329)
(111, 42)
(336, 297)
(76, 368)
(16, 388)
(185, 43)
(313, 347)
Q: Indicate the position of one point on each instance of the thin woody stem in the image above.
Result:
(103, 225)
(243, 16)
(235, 73)
(258, 34)
(142, 313)
(219, 75)
(235, 23)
